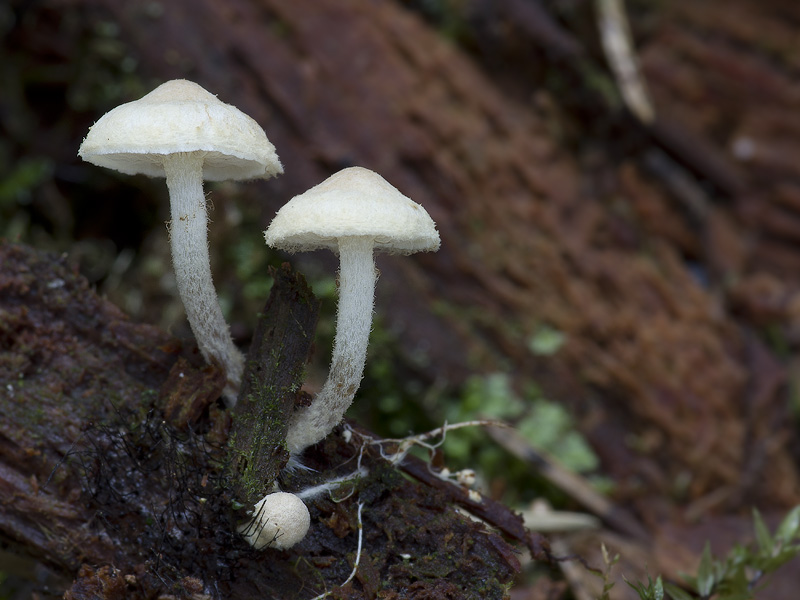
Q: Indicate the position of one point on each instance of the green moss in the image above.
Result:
(273, 374)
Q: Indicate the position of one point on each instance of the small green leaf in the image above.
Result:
(608, 560)
(737, 581)
(737, 556)
(778, 559)
(787, 530)
(546, 341)
(763, 537)
(640, 588)
(705, 573)
(676, 593)
(658, 589)
(654, 590)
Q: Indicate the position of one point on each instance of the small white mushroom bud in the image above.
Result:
(466, 477)
(280, 520)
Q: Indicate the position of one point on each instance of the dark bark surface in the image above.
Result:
(276, 367)
(97, 485)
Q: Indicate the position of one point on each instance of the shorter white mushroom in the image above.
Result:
(352, 213)
(280, 520)
(183, 133)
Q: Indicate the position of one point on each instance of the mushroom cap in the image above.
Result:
(280, 520)
(181, 116)
(355, 202)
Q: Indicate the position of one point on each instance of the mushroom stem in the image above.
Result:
(354, 321)
(189, 243)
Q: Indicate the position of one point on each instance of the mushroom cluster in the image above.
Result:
(183, 133)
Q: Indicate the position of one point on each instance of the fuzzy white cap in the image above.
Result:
(280, 520)
(354, 202)
(181, 116)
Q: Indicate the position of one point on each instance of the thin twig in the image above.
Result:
(358, 556)
(617, 42)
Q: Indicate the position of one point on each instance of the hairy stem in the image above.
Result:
(354, 321)
(189, 243)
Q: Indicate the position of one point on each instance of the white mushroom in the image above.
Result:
(280, 520)
(353, 212)
(182, 132)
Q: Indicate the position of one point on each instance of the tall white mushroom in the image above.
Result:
(352, 213)
(182, 132)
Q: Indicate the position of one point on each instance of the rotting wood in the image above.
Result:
(274, 371)
(98, 486)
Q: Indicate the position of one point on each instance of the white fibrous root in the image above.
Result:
(327, 487)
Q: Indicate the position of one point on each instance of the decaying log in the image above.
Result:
(98, 485)
(275, 369)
